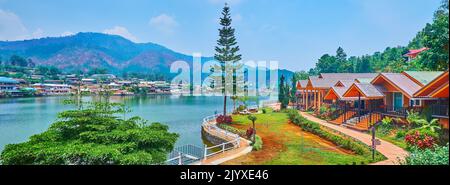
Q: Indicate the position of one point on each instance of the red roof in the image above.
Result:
(414, 52)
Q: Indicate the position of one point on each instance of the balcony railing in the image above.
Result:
(439, 110)
(398, 111)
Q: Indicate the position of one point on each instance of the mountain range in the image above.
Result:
(85, 51)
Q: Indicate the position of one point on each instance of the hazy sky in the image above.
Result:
(294, 32)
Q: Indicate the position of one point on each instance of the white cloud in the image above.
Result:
(39, 33)
(121, 31)
(11, 27)
(67, 33)
(164, 23)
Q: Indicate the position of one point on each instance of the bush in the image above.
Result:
(232, 130)
(258, 144)
(433, 156)
(422, 139)
(400, 134)
(267, 110)
(249, 132)
(224, 119)
(242, 107)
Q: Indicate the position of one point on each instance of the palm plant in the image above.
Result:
(253, 118)
(432, 126)
(413, 118)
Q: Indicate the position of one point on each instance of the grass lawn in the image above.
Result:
(391, 137)
(286, 144)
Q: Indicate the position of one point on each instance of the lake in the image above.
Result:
(21, 118)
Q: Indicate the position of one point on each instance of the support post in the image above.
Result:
(374, 146)
(180, 161)
(307, 97)
(359, 107)
(205, 152)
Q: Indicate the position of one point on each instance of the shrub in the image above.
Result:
(413, 118)
(249, 132)
(232, 130)
(432, 156)
(267, 110)
(421, 139)
(258, 144)
(242, 107)
(400, 134)
(315, 128)
(224, 119)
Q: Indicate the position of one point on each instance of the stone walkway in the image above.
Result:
(244, 148)
(393, 153)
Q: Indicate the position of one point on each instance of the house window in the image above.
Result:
(415, 103)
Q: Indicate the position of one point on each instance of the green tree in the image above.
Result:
(227, 54)
(327, 64)
(293, 90)
(302, 75)
(16, 60)
(281, 89)
(435, 36)
(363, 65)
(94, 135)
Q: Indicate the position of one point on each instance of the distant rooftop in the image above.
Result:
(424, 77)
(403, 82)
(8, 80)
(347, 76)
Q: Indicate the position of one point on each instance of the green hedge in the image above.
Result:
(258, 143)
(313, 127)
(232, 130)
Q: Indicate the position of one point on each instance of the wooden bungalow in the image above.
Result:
(316, 87)
(437, 90)
(389, 94)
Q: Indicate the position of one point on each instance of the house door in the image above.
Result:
(398, 101)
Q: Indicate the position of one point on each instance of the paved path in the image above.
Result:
(243, 149)
(393, 153)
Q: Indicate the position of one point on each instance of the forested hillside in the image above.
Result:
(434, 36)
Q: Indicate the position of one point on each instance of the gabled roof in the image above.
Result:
(364, 80)
(321, 83)
(414, 52)
(347, 76)
(365, 90)
(423, 77)
(344, 83)
(435, 87)
(335, 93)
(302, 84)
(399, 81)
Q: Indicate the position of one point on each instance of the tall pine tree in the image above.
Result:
(227, 54)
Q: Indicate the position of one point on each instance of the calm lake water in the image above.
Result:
(23, 117)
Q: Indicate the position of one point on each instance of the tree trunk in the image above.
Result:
(234, 105)
(254, 132)
(225, 105)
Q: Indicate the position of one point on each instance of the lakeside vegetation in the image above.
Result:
(94, 134)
